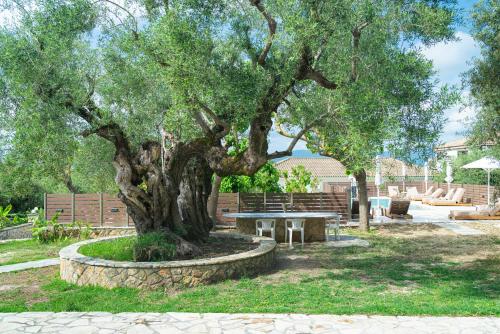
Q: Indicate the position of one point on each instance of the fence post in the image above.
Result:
(238, 201)
(73, 207)
(291, 200)
(45, 206)
(101, 210)
(265, 204)
(321, 200)
(127, 217)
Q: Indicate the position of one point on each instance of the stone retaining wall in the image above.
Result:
(16, 232)
(102, 232)
(82, 270)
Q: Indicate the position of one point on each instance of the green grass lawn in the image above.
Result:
(29, 250)
(404, 272)
(121, 249)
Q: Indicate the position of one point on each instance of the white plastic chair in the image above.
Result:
(292, 225)
(335, 224)
(265, 225)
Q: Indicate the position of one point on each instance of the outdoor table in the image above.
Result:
(314, 227)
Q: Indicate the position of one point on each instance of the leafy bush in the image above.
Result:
(265, 180)
(300, 180)
(8, 220)
(154, 247)
(46, 231)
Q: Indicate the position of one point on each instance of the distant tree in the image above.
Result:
(484, 77)
(470, 176)
(299, 180)
(265, 180)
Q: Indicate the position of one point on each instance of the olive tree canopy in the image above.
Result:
(166, 82)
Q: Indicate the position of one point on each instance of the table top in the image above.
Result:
(289, 214)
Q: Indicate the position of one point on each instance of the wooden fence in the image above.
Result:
(96, 209)
(272, 202)
(478, 194)
(108, 210)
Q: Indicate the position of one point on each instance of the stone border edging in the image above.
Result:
(80, 269)
(21, 231)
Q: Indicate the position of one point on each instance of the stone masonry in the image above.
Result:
(16, 232)
(82, 270)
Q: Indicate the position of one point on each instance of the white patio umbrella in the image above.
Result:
(449, 174)
(488, 164)
(426, 175)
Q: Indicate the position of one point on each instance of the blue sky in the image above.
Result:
(450, 60)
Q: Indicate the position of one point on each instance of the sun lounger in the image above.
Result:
(419, 197)
(435, 194)
(398, 209)
(410, 192)
(457, 199)
(393, 191)
(481, 214)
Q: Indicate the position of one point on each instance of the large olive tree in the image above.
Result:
(166, 82)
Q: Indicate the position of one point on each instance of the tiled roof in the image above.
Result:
(319, 167)
(458, 144)
(328, 167)
(394, 167)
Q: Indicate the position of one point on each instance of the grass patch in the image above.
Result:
(121, 249)
(400, 274)
(30, 250)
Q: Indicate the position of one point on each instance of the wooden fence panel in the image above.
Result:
(114, 211)
(59, 204)
(87, 208)
(227, 203)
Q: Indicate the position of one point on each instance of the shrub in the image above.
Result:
(46, 231)
(154, 247)
(7, 219)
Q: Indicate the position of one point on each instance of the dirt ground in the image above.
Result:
(490, 227)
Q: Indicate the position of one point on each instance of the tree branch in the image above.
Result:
(356, 35)
(200, 119)
(135, 31)
(295, 138)
(222, 127)
(271, 23)
(305, 71)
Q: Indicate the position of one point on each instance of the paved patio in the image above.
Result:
(211, 323)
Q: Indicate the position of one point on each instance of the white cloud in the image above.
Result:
(450, 60)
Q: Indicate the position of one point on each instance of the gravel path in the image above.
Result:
(173, 323)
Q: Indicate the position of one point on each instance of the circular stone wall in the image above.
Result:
(83, 270)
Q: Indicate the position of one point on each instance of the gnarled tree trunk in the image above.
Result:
(214, 198)
(364, 214)
(170, 199)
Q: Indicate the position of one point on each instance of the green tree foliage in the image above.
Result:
(390, 101)
(166, 83)
(470, 176)
(265, 180)
(300, 180)
(484, 77)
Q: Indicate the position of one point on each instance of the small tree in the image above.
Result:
(484, 77)
(299, 180)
